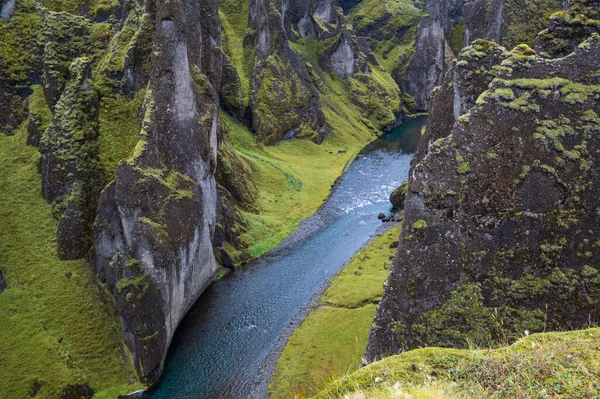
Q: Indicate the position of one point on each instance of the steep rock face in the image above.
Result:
(483, 20)
(155, 225)
(284, 103)
(429, 64)
(501, 214)
(476, 67)
(507, 22)
(71, 177)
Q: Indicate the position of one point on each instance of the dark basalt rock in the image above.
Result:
(429, 64)
(3, 284)
(226, 260)
(231, 96)
(79, 391)
(398, 195)
(567, 29)
(35, 388)
(483, 20)
(500, 219)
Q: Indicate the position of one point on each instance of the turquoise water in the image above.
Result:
(219, 347)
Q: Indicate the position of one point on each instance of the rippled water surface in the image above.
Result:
(222, 342)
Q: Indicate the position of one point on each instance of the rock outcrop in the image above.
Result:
(3, 284)
(155, 225)
(501, 211)
(71, 177)
(568, 29)
(284, 102)
(429, 64)
(507, 22)
(397, 197)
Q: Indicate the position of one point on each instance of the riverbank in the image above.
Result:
(332, 338)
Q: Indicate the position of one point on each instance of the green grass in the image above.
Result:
(361, 281)
(550, 365)
(293, 178)
(333, 337)
(120, 124)
(55, 330)
(234, 18)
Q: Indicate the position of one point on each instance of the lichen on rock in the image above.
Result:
(508, 195)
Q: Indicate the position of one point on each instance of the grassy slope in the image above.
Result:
(54, 330)
(551, 365)
(393, 14)
(293, 178)
(332, 339)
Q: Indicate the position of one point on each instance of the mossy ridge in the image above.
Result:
(234, 16)
(94, 8)
(331, 340)
(119, 126)
(392, 43)
(522, 21)
(55, 329)
(281, 94)
(551, 364)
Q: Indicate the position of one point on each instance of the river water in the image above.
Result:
(220, 345)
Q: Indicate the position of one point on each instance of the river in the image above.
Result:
(218, 349)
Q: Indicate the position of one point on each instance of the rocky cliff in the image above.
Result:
(500, 216)
(153, 234)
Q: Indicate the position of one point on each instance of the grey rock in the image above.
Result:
(156, 221)
(3, 284)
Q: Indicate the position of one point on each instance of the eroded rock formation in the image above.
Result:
(155, 224)
(501, 210)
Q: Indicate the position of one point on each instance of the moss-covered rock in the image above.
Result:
(568, 29)
(500, 215)
(507, 22)
(71, 176)
(390, 28)
(156, 221)
(398, 195)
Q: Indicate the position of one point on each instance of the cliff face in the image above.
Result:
(508, 22)
(153, 234)
(445, 28)
(429, 63)
(500, 214)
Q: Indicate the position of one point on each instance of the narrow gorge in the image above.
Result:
(228, 158)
